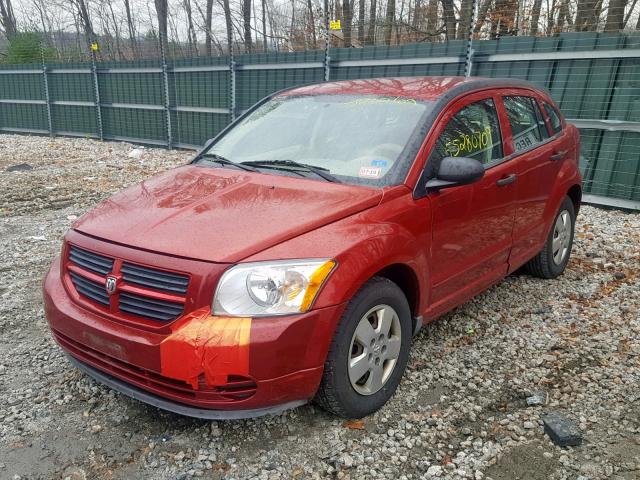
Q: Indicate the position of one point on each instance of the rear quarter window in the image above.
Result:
(554, 118)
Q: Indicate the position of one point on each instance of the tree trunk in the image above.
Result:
(482, 15)
(208, 34)
(432, 18)
(361, 10)
(228, 24)
(246, 17)
(312, 24)
(87, 26)
(389, 21)
(535, 17)
(465, 19)
(264, 25)
(615, 16)
(131, 28)
(191, 31)
(449, 19)
(586, 16)
(347, 18)
(7, 18)
(161, 12)
(371, 30)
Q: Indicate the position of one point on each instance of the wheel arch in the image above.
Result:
(575, 194)
(405, 277)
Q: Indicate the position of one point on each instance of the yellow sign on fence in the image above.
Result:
(94, 47)
(334, 25)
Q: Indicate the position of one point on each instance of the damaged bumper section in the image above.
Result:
(199, 365)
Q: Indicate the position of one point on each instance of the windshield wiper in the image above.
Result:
(225, 161)
(319, 171)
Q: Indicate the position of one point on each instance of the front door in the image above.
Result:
(472, 224)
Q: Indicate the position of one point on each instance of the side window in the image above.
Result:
(473, 132)
(556, 123)
(526, 122)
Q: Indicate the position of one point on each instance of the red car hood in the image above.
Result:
(221, 215)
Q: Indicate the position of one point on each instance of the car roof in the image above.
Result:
(420, 88)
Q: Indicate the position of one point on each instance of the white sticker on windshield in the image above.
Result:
(370, 172)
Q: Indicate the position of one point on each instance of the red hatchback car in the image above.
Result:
(296, 255)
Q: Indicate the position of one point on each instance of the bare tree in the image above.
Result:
(535, 16)
(228, 24)
(449, 19)
(361, 11)
(615, 15)
(191, 31)
(371, 30)
(7, 18)
(347, 19)
(389, 20)
(432, 16)
(131, 28)
(466, 7)
(85, 20)
(246, 17)
(587, 15)
(264, 25)
(161, 13)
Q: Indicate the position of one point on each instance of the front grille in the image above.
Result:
(150, 308)
(90, 289)
(144, 292)
(156, 279)
(90, 261)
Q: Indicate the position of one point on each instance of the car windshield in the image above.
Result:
(359, 139)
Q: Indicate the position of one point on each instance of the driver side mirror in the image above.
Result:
(455, 171)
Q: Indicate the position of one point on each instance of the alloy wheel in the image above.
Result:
(375, 348)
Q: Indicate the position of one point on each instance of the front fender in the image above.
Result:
(396, 232)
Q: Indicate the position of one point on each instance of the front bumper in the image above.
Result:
(175, 407)
(285, 358)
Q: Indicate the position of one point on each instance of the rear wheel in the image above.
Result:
(369, 351)
(553, 258)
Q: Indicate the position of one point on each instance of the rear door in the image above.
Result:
(536, 154)
(472, 224)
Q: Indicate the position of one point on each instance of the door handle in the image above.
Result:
(558, 155)
(507, 180)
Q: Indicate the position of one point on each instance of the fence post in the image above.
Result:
(472, 25)
(47, 95)
(96, 92)
(232, 84)
(327, 43)
(167, 98)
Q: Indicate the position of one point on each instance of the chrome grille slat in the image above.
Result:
(149, 308)
(90, 261)
(90, 289)
(156, 279)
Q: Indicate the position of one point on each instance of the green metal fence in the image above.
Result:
(594, 77)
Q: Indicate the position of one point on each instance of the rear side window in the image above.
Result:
(527, 126)
(556, 123)
(473, 132)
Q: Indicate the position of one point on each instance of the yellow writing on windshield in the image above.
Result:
(469, 143)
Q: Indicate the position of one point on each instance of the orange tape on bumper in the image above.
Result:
(205, 344)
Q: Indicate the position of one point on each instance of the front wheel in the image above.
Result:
(369, 351)
(554, 256)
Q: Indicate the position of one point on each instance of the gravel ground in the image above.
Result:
(460, 411)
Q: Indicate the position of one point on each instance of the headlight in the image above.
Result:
(270, 288)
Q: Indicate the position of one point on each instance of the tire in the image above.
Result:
(545, 264)
(340, 394)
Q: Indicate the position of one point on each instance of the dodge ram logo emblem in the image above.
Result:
(110, 284)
